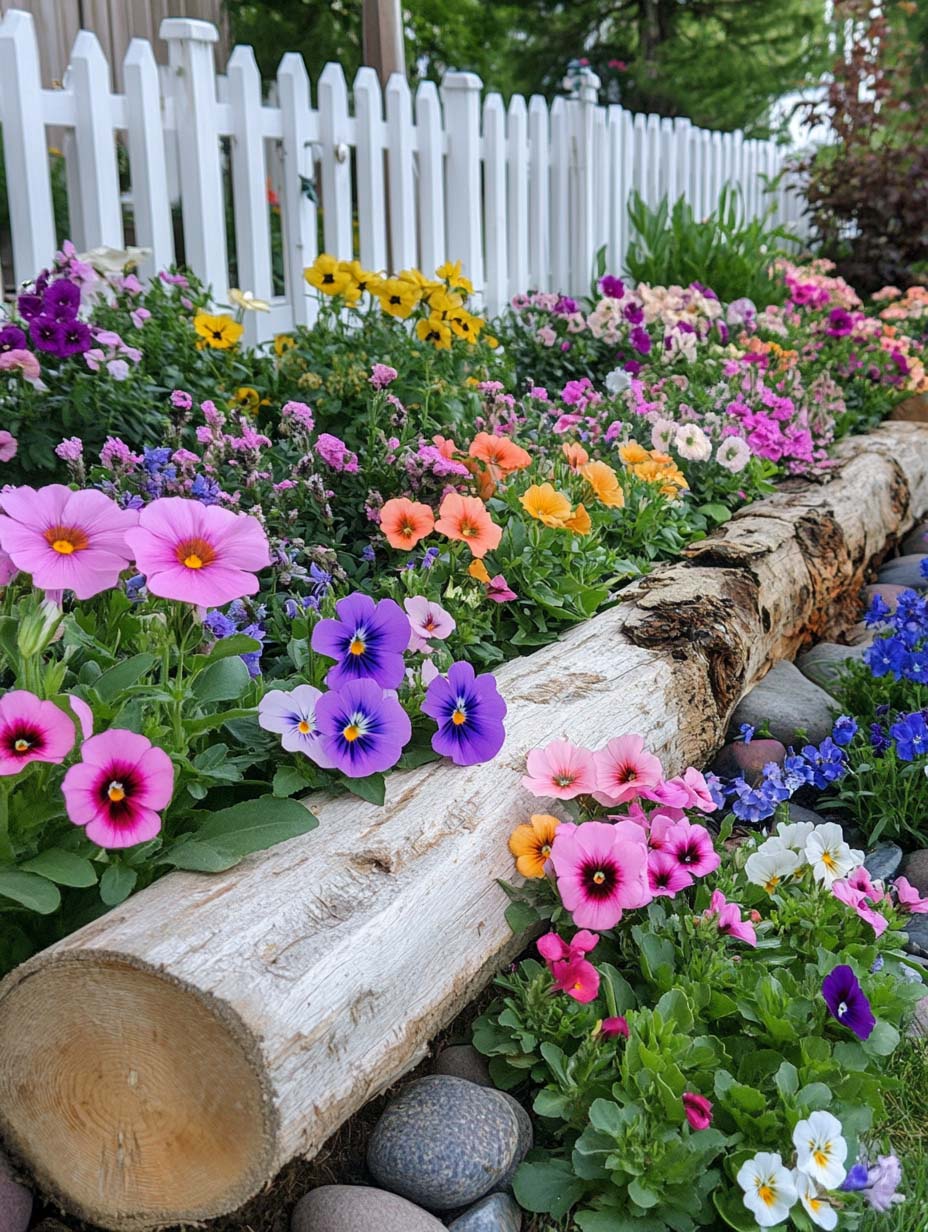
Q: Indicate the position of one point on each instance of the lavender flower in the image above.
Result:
(367, 640)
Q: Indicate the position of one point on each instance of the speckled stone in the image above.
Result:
(904, 571)
(786, 702)
(824, 663)
(463, 1061)
(747, 761)
(497, 1213)
(359, 1208)
(526, 1139)
(915, 869)
(444, 1142)
(798, 813)
(918, 1026)
(916, 927)
(15, 1200)
(884, 861)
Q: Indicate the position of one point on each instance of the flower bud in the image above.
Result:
(38, 628)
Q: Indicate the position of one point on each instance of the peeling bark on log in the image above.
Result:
(162, 1063)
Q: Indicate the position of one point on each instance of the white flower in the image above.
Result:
(769, 1190)
(816, 1204)
(106, 260)
(830, 856)
(733, 454)
(662, 431)
(794, 834)
(617, 381)
(821, 1149)
(771, 864)
(247, 300)
(692, 443)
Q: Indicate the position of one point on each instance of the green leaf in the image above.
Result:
(197, 857)
(730, 1205)
(718, 513)
(883, 1039)
(521, 916)
(256, 824)
(29, 890)
(224, 681)
(612, 1221)
(109, 684)
(63, 867)
(288, 780)
(117, 883)
(372, 788)
(547, 1188)
(641, 1195)
(787, 1080)
(228, 647)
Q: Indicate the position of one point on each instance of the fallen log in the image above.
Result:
(160, 1065)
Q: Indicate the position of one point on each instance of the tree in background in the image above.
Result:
(723, 63)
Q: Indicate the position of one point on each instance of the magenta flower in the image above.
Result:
(666, 876)
(499, 591)
(66, 540)
(672, 793)
(561, 769)
(382, 375)
(698, 1110)
(847, 1001)
(571, 972)
(31, 730)
(601, 870)
(691, 846)
(908, 898)
(728, 918)
(292, 716)
(859, 901)
(426, 620)
(367, 639)
(700, 796)
(469, 712)
(363, 729)
(623, 768)
(612, 1027)
(118, 788)
(199, 554)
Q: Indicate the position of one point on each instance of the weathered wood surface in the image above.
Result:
(159, 1065)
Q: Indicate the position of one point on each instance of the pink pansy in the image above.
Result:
(499, 591)
(698, 1110)
(845, 893)
(7, 569)
(666, 876)
(691, 846)
(83, 713)
(908, 898)
(728, 919)
(624, 769)
(199, 554)
(66, 540)
(21, 361)
(8, 445)
(560, 769)
(426, 619)
(700, 796)
(31, 730)
(571, 972)
(118, 788)
(601, 870)
(859, 879)
(673, 793)
(611, 1027)
(659, 827)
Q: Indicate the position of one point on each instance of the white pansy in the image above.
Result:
(815, 1202)
(617, 381)
(795, 834)
(771, 864)
(821, 1149)
(830, 856)
(769, 1189)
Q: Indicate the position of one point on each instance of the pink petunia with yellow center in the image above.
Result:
(118, 788)
(31, 730)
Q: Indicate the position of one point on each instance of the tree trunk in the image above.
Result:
(162, 1063)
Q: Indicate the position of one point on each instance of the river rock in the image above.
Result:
(15, 1200)
(444, 1142)
(786, 701)
(797, 814)
(463, 1061)
(916, 541)
(888, 593)
(884, 861)
(919, 1023)
(747, 761)
(497, 1213)
(526, 1139)
(824, 663)
(916, 927)
(904, 571)
(915, 870)
(359, 1208)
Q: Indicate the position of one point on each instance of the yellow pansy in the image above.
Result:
(248, 301)
(283, 342)
(327, 275)
(436, 331)
(450, 272)
(397, 297)
(218, 332)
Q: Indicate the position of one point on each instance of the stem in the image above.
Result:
(6, 847)
(609, 993)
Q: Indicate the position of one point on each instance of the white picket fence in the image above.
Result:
(523, 195)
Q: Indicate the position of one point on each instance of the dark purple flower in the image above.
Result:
(633, 313)
(367, 640)
(611, 286)
(847, 1001)
(62, 300)
(469, 712)
(12, 338)
(75, 337)
(47, 334)
(362, 730)
(30, 305)
(640, 340)
(840, 323)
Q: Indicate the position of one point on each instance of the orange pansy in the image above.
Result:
(499, 452)
(405, 522)
(575, 454)
(531, 844)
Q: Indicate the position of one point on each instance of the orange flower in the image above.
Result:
(543, 502)
(405, 522)
(499, 452)
(486, 483)
(445, 446)
(575, 454)
(605, 484)
(531, 844)
(466, 518)
(631, 453)
(579, 522)
(477, 569)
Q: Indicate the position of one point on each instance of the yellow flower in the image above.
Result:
(579, 522)
(490, 340)
(531, 844)
(218, 332)
(605, 484)
(283, 342)
(327, 275)
(434, 330)
(397, 297)
(547, 505)
(441, 301)
(450, 272)
(364, 280)
(248, 301)
(477, 569)
(631, 453)
(465, 325)
(248, 398)
(417, 279)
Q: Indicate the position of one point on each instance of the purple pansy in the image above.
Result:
(363, 730)
(469, 712)
(12, 338)
(847, 1001)
(292, 716)
(367, 640)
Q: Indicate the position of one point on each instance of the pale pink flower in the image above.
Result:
(908, 898)
(560, 769)
(624, 769)
(427, 619)
(8, 445)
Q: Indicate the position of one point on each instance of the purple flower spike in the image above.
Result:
(847, 1002)
(363, 730)
(367, 640)
(469, 712)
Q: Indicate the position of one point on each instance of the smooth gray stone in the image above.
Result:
(359, 1208)
(463, 1061)
(15, 1200)
(916, 541)
(824, 663)
(747, 761)
(916, 926)
(444, 1142)
(915, 869)
(904, 571)
(798, 813)
(526, 1139)
(884, 862)
(497, 1213)
(786, 702)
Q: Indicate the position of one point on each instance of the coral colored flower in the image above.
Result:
(31, 730)
(292, 716)
(908, 898)
(623, 768)
(363, 730)
(575, 454)
(531, 844)
(465, 518)
(605, 484)
(405, 522)
(367, 639)
(502, 455)
(544, 503)
(477, 569)
(117, 789)
(666, 876)
(691, 846)
(847, 1001)
(445, 446)
(561, 769)
(698, 1110)
(66, 540)
(427, 620)
(601, 870)
(728, 918)
(469, 712)
(579, 522)
(568, 966)
(199, 554)
(612, 1027)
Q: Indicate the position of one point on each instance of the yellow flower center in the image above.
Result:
(116, 792)
(829, 861)
(64, 546)
(771, 884)
(195, 553)
(599, 877)
(66, 540)
(546, 849)
(193, 561)
(357, 646)
(351, 732)
(22, 746)
(766, 1194)
(458, 717)
(820, 1155)
(303, 727)
(468, 529)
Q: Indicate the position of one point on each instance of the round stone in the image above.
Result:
(444, 1142)
(916, 541)
(823, 664)
(884, 861)
(497, 1213)
(463, 1061)
(915, 870)
(916, 928)
(799, 814)
(904, 571)
(887, 592)
(788, 704)
(526, 1139)
(747, 761)
(359, 1208)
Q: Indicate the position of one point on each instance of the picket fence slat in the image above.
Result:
(372, 222)
(249, 187)
(431, 177)
(401, 175)
(336, 164)
(517, 187)
(460, 95)
(539, 221)
(299, 207)
(151, 201)
(495, 201)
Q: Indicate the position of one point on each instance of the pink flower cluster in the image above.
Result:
(862, 895)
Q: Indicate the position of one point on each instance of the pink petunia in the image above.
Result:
(8, 445)
(66, 540)
(728, 919)
(117, 789)
(566, 961)
(199, 554)
(499, 591)
(612, 1027)
(32, 730)
(601, 870)
(7, 569)
(666, 876)
(908, 898)
(426, 620)
(691, 846)
(561, 769)
(83, 714)
(698, 1110)
(624, 769)
(859, 879)
(700, 796)
(859, 902)
(659, 827)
